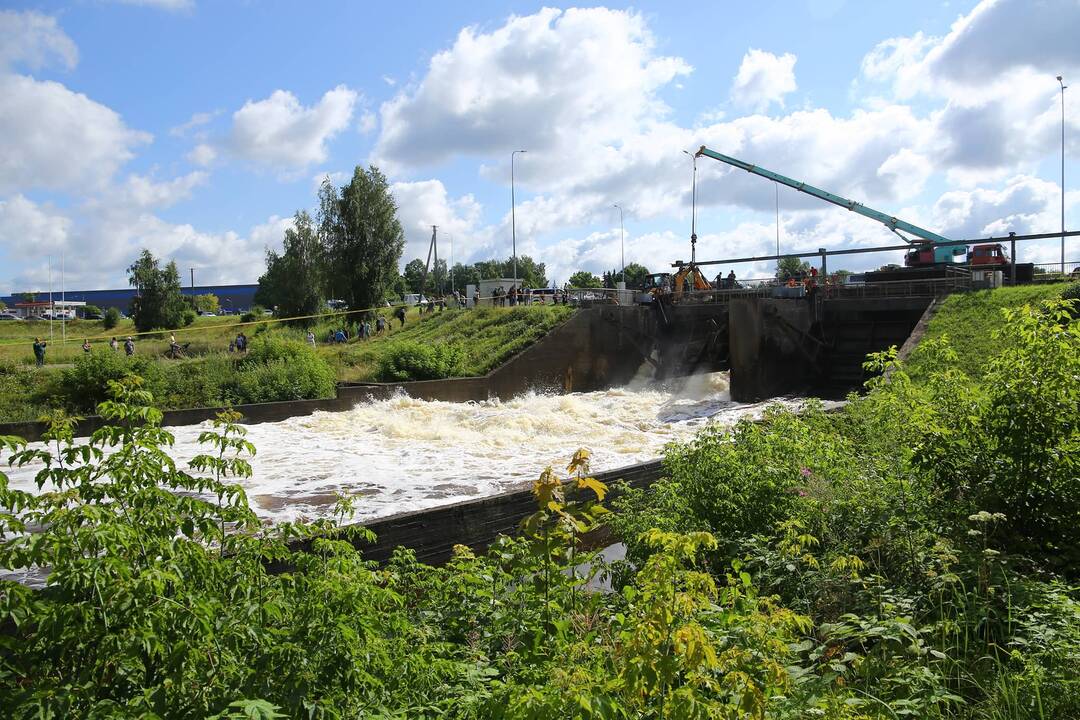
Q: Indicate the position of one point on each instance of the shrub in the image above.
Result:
(281, 369)
(86, 383)
(1072, 292)
(188, 317)
(112, 318)
(91, 310)
(415, 361)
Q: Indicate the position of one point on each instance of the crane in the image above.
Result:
(927, 255)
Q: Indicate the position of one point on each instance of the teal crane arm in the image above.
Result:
(895, 224)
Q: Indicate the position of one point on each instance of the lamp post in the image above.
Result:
(622, 242)
(513, 212)
(1063, 86)
(452, 289)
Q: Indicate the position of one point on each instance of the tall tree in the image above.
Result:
(361, 237)
(584, 279)
(294, 281)
(792, 267)
(530, 273)
(159, 302)
(465, 275)
(635, 276)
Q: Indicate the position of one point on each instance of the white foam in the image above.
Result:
(404, 454)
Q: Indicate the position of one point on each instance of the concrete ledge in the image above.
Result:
(433, 533)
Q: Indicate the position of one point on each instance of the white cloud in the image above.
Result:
(202, 155)
(368, 122)
(197, 120)
(763, 79)
(172, 5)
(426, 203)
(548, 81)
(280, 133)
(143, 192)
(27, 229)
(34, 40)
(58, 139)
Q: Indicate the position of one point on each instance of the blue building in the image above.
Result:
(236, 298)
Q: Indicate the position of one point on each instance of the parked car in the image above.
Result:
(93, 316)
(8, 315)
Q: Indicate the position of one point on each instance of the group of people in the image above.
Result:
(363, 331)
(240, 344)
(114, 345)
(502, 297)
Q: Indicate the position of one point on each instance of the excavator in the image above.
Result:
(924, 253)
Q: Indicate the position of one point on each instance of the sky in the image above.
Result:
(197, 129)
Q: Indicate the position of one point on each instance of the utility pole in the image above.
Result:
(1063, 86)
(52, 309)
(622, 243)
(193, 282)
(513, 211)
(776, 187)
(63, 300)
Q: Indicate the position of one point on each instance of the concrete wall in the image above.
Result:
(432, 533)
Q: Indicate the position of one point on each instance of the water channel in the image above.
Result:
(405, 454)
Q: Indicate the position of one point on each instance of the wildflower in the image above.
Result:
(805, 472)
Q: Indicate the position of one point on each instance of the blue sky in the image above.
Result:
(198, 128)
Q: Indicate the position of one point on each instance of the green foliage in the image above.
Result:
(86, 383)
(1071, 292)
(413, 274)
(409, 360)
(188, 317)
(792, 267)
(206, 303)
(361, 238)
(635, 276)
(295, 280)
(89, 310)
(112, 318)
(159, 303)
(584, 279)
(281, 369)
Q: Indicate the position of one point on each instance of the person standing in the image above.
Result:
(401, 315)
(129, 347)
(39, 351)
(380, 324)
(86, 346)
(311, 338)
(114, 345)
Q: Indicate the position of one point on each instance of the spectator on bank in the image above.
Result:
(114, 345)
(400, 314)
(232, 346)
(241, 342)
(311, 338)
(339, 336)
(380, 324)
(39, 351)
(129, 347)
(86, 346)
(731, 280)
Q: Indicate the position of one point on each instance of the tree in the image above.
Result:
(530, 273)
(28, 297)
(414, 274)
(465, 275)
(489, 269)
(207, 303)
(91, 310)
(159, 302)
(294, 281)
(635, 276)
(792, 267)
(3, 305)
(112, 318)
(584, 279)
(361, 237)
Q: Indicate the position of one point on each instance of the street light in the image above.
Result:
(1063, 86)
(513, 215)
(622, 243)
(452, 289)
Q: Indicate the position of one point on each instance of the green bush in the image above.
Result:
(86, 383)
(281, 369)
(188, 317)
(1072, 292)
(112, 318)
(91, 310)
(409, 360)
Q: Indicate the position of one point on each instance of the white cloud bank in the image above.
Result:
(763, 79)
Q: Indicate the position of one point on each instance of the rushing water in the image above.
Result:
(405, 454)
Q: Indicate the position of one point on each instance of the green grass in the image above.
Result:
(487, 337)
(970, 319)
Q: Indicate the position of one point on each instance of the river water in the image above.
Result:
(405, 454)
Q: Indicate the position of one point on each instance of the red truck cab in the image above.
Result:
(989, 256)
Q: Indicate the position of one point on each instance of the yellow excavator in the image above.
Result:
(688, 279)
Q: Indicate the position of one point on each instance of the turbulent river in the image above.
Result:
(404, 454)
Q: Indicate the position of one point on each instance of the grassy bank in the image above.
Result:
(447, 344)
(969, 320)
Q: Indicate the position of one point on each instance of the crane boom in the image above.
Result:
(895, 224)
